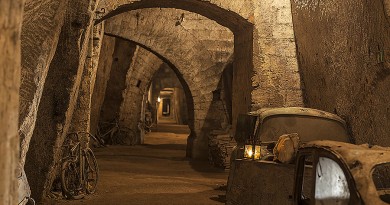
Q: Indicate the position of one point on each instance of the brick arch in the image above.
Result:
(231, 14)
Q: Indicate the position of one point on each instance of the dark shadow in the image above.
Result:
(218, 120)
(116, 84)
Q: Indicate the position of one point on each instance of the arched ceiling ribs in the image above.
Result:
(183, 82)
(226, 18)
(222, 13)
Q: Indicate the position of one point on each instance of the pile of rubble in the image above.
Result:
(221, 144)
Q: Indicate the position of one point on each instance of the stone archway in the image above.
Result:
(197, 65)
(224, 13)
(147, 78)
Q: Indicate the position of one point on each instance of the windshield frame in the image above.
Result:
(317, 152)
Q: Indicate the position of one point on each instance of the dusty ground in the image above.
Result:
(154, 173)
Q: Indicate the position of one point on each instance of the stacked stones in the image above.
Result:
(221, 145)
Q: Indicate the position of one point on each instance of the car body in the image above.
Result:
(268, 124)
(341, 169)
(327, 169)
(325, 172)
(265, 126)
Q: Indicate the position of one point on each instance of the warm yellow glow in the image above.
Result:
(158, 99)
(248, 152)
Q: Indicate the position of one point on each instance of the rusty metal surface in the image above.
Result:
(361, 159)
(350, 153)
(260, 182)
(299, 111)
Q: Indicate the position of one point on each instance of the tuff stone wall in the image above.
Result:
(59, 98)
(143, 66)
(344, 56)
(82, 115)
(122, 59)
(10, 65)
(102, 77)
(42, 22)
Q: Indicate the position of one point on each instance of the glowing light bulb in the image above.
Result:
(250, 153)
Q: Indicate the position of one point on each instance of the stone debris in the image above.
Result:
(221, 145)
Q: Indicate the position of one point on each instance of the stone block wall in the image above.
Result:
(198, 47)
(344, 56)
(277, 80)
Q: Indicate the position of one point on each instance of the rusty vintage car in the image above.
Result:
(324, 172)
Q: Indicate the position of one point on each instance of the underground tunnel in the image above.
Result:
(194, 102)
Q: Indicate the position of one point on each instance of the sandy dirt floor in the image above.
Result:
(154, 173)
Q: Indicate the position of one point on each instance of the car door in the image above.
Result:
(321, 178)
